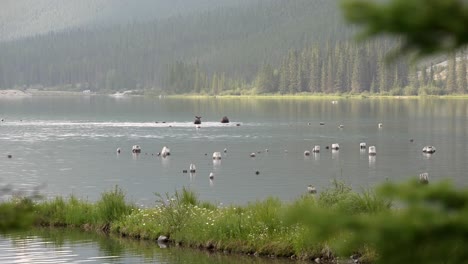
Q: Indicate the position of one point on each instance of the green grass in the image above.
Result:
(263, 227)
(395, 223)
(17, 213)
(73, 212)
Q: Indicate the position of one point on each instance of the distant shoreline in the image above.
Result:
(12, 93)
(317, 96)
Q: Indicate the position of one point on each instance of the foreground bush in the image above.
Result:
(428, 225)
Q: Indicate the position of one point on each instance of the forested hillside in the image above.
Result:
(258, 46)
(22, 18)
(233, 40)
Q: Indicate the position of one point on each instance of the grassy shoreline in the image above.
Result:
(333, 225)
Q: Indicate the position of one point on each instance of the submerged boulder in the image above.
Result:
(163, 239)
(136, 149)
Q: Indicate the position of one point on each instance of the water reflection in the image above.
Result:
(68, 246)
(427, 155)
(316, 156)
(216, 163)
(335, 154)
(372, 160)
(166, 161)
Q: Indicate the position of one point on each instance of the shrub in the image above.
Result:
(410, 90)
(17, 214)
(112, 206)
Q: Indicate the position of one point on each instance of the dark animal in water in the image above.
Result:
(197, 120)
(225, 120)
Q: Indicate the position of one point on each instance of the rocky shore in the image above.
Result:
(13, 93)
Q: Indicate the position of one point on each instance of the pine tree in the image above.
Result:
(222, 83)
(461, 74)
(372, 87)
(293, 72)
(330, 75)
(356, 80)
(338, 80)
(303, 71)
(397, 83)
(323, 77)
(382, 75)
(423, 80)
(451, 84)
(430, 79)
(413, 77)
(314, 70)
(214, 84)
(284, 77)
(265, 80)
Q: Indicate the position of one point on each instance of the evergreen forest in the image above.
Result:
(252, 47)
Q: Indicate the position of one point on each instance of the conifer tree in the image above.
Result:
(265, 81)
(338, 80)
(293, 72)
(331, 75)
(214, 84)
(430, 78)
(356, 80)
(284, 77)
(222, 83)
(323, 77)
(461, 74)
(382, 75)
(397, 81)
(413, 77)
(314, 70)
(372, 87)
(423, 80)
(451, 80)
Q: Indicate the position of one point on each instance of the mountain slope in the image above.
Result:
(23, 18)
(235, 40)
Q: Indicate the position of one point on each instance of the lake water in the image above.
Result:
(68, 145)
(73, 247)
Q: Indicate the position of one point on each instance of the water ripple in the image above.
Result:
(88, 124)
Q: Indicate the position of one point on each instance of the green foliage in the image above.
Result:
(396, 223)
(431, 223)
(264, 227)
(431, 90)
(74, 212)
(425, 26)
(112, 206)
(410, 90)
(395, 91)
(428, 225)
(16, 214)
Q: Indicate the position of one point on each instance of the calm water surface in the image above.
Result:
(68, 145)
(60, 246)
